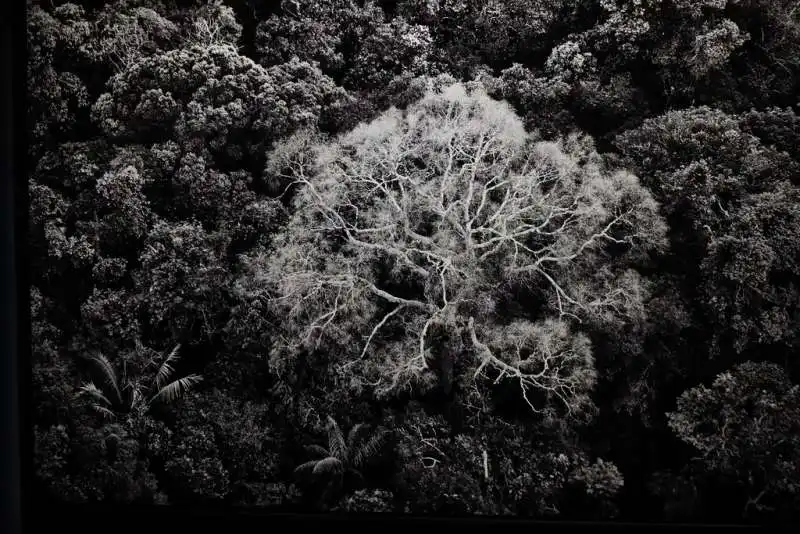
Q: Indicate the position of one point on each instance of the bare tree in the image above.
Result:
(410, 230)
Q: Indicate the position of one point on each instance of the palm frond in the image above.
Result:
(317, 450)
(369, 448)
(354, 434)
(105, 412)
(109, 375)
(328, 465)
(166, 369)
(336, 444)
(176, 389)
(90, 390)
(307, 466)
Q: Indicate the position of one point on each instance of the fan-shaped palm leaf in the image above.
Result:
(90, 390)
(316, 450)
(166, 369)
(109, 375)
(105, 412)
(336, 444)
(306, 467)
(176, 389)
(368, 449)
(328, 465)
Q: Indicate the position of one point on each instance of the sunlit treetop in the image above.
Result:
(410, 231)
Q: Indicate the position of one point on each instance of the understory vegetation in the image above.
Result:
(453, 257)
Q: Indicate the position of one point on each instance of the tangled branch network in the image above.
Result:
(409, 231)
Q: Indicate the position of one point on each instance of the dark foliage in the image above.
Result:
(175, 150)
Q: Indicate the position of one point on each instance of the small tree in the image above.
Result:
(746, 426)
(413, 234)
(344, 454)
(135, 395)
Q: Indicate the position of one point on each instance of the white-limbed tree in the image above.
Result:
(410, 235)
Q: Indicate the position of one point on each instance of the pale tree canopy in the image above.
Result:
(413, 233)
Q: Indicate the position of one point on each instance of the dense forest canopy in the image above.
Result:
(489, 257)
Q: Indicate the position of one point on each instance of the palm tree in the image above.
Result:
(342, 456)
(134, 396)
